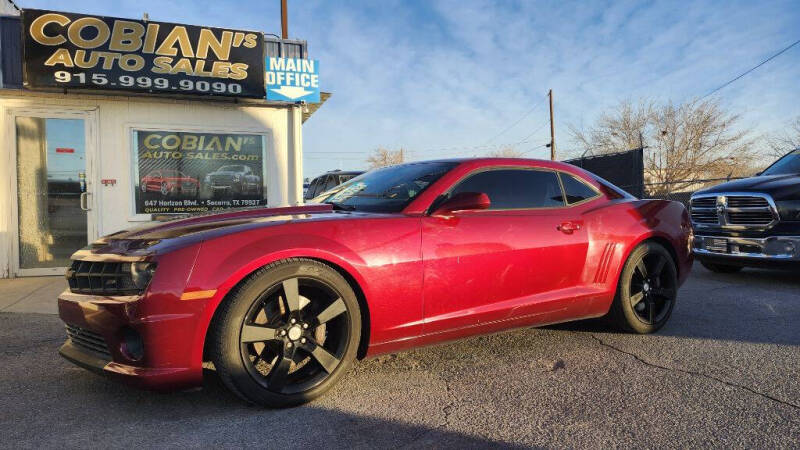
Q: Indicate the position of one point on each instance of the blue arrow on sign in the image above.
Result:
(292, 79)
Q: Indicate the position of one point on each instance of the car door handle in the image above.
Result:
(568, 227)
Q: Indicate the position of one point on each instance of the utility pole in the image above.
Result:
(552, 129)
(284, 20)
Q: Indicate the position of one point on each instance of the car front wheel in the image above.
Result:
(647, 290)
(287, 334)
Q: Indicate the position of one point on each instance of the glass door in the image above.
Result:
(52, 197)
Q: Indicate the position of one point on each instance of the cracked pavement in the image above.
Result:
(723, 373)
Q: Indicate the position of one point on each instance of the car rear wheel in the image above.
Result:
(287, 334)
(647, 290)
(720, 268)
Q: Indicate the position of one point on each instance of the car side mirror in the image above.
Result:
(463, 201)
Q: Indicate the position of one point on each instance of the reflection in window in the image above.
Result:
(515, 188)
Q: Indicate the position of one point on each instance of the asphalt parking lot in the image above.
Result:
(723, 373)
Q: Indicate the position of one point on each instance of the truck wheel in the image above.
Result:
(647, 290)
(720, 268)
(287, 334)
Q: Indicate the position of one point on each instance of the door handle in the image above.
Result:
(85, 201)
(568, 227)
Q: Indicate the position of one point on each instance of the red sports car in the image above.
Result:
(282, 300)
(169, 182)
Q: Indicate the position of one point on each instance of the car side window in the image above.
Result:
(331, 183)
(576, 190)
(515, 188)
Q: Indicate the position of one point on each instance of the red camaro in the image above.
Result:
(169, 182)
(282, 300)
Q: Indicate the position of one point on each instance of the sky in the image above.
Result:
(449, 78)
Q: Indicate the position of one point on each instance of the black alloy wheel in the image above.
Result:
(652, 293)
(288, 334)
(291, 342)
(647, 290)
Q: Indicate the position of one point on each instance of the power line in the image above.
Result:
(515, 123)
(753, 68)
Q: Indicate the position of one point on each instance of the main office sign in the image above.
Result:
(65, 50)
(293, 79)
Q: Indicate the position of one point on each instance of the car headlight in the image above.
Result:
(237, 178)
(207, 179)
(789, 210)
(142, 273)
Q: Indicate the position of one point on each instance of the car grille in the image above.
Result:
(755, 218)
(739, 211)
(88, 340)
(704, 210)
(738, 201)
(223, 180)
(101, 278)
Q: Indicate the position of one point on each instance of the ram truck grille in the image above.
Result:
(733, 211)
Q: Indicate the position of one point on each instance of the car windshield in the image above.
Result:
(788, 165)
(231, 169)
(385, 190)
(171, 173)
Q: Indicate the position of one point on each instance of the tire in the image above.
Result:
(720, 268)
(164, 189)
(143, 187)
(259, 342)
(646, 291)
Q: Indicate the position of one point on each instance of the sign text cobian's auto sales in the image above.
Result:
(126, 39)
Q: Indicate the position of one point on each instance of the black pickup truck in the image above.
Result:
(750, 222)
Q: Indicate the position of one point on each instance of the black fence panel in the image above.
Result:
(624, 169)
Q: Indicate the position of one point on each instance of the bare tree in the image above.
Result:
(684, 143)
(383, 157)
(786, 141)
(506, 152)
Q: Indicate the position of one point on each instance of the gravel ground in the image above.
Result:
(723, 373)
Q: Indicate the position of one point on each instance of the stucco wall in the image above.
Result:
(112, 118)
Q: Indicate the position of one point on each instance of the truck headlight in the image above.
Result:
(142, 273)
(789, 210)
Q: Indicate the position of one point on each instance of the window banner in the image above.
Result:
(186, 172)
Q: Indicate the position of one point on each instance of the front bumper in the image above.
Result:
(164, 362)
(771, 248)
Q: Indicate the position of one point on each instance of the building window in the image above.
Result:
(178, 172)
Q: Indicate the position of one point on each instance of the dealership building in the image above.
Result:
(110, 123)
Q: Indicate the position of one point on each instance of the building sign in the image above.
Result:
(293, 79)
(66, 50)
(185, 172)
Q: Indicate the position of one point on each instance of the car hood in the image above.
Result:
(780, 187)
(161, 237)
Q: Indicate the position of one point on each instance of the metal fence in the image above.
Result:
(665, 191)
